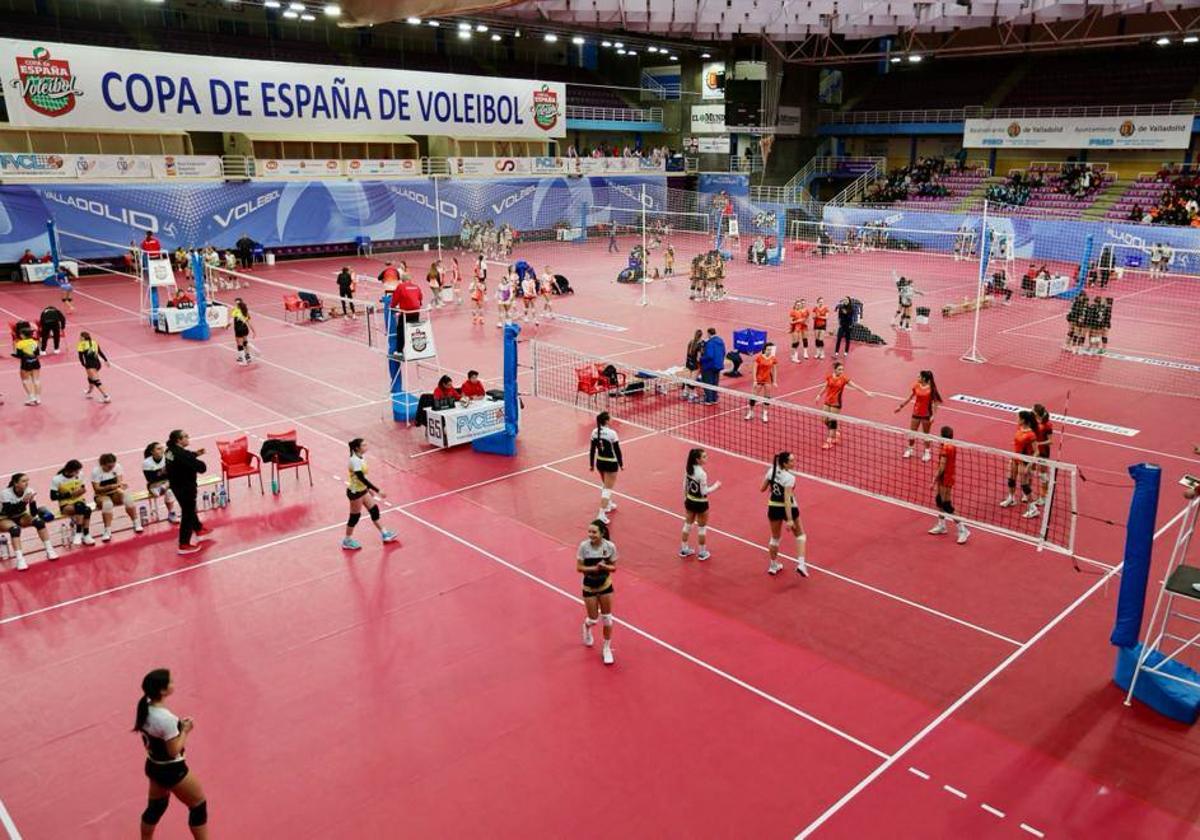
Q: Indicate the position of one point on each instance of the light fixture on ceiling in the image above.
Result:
(550, 37)
(1191, 39)
(479, 27)
(674, 57)
(652, 49)
(332, 10)
(290, 15)
(435, 24)
(296, 7)
(620, 52)
(706, 55)
(464, 27)
(914, 59)
(1162, 42)
(630, 52)
(894, 59)
(464, 34)
(578, 41)
(495, 36)
(271, 4)
(618, 45)
(606, 44)
(413, 21)
(307, 18)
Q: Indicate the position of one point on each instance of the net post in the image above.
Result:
(1051, 478)
(533, 348)
(52, 234)
(437, 214)
(584, 208)
(985, 248)
(201, 331)
(645, 252)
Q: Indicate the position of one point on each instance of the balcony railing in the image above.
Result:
(945, 115)
(587, 112)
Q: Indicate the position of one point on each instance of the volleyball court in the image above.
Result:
(909, 686)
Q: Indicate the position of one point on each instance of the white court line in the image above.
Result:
(6, 820)
(918, 773)
(1031, 830)
(836, 575)
(930, 727)
(954, 791)
(996, 812)
(657, 641)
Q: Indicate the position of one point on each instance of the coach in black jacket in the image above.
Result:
(183, 466)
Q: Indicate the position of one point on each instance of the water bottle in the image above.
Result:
(5, 551)
(143, 513)
(64, 534)
(222, 495)
(274, 486)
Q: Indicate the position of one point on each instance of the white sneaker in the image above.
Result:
(612, 506)
(908, 452)
(603, 517)
(21, 564)
(137, 526)
(749, 415)
(1030, 512)
(106, 399)
(939, 528)
(703, 555)
(1009, 501)
(77, 539)
(173, 517)
(963, 533)
(774, 567)
(686, 551)
(801, 567)
(764, 417)
(87, 395)
(925, 456)
(587, 634)
(606, 654)
(88, 539)
(106, 536)
(51, 554)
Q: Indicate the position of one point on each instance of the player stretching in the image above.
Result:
(831, 394)
(943, 487)
(799, 328)
(925, 399)
(1023, 442)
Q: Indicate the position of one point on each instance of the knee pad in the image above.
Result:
(606, 619)
(155, 808)
(374, 511)
(948, 507)
(353, 520)
(15, 532)
(198, 815)
(804, 341)
(1012, 484)
(106, 504)
(81, 509)
(96, 382)
(773, 542)
(820, 342)
(828, 423)
(938, 503)
(795, 342)
(702, 531)
(833, 425)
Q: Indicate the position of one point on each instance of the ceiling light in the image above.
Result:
(290, 15)
(307, 18)
(154, 1)
(464, 27)
(674, 57)
(495, 36)
(332, 10)
(606, 44)
(550, 37)
(479, 27)
(1162, 42)
(706, 55)
(1191, 39)
(620, 52)
(271, 4)
(413, 21)
(434, 24)
(894, 59)
(630, 52)
(914, 59)
(577, 40)
(296, 7)
(517, 33)
(464, 34)
(652, 49)
(618, 45)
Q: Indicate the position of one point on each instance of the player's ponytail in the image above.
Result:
(601, 527)
(601, 421)
(934, 394)
(153, 686)
(354, 445)
(1028, 418)
(15, 478)
(693, 459)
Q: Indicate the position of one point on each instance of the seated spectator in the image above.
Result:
(472, 388)
(28, 258)
(445, 394)
(315, 312)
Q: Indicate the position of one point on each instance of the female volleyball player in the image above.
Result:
(361, 492)
(1043, 432)
(604, 456)
(925, 398)
(505, 293)
(183, 468)
(1075, 322)
(529, 293)
(695, 503)
(799, 328)
(831, 399)
(67, 288)
(691, 361)
(434, 278)
(546, 290)
(109, 487)
(154, 468)
(90, 355)
(596, 560)
(26, 351)
(165, 738)
(766, 372)
(67, 488)
(943, 487)
(456, 281)
(1023, 444)
(780, 483)
(242, 330)
(820, 314)
(478, 293)
(19, 510)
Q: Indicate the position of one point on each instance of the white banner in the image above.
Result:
(187, 166)
(489, 167)
(713, 82)
(37, 166)
(709, 145)
(618, 165)
(67, 85)
(358, 167)
(277, 167)
(418, 340)
(113, 166)
(1172, 132)
(787, 122)
(159, 272)
(708, 119)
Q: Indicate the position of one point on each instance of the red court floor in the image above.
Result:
(909, 687)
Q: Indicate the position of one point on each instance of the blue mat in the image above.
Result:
(1167, 697)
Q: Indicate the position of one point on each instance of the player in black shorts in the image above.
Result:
(695, 503)
(781, 507)
(604, 456)
(165, 737)
(596, 560)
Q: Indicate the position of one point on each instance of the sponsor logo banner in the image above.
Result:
(68, 85)
(708, 119)
(109, 167)
(277, 167)
(1169, 132)
(1066, 420)
(187, 166)
(358, 167)
(713, 86)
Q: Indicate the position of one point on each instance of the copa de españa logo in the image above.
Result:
(46, 84)
(545, 108)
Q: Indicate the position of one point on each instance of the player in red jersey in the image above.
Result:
(943, 487)
(1023, 444)
(831, 399)
(766, 372)
(820, 315)
(925, 399)
(1043, 431)
(799, 328)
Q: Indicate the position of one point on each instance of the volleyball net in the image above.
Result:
(868, 459)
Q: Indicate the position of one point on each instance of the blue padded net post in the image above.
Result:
(1139, 545)
(505, 442)
(201, 331)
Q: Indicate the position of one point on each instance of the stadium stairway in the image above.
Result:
(974, 199)
(1106, 199)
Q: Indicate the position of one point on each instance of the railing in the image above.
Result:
(587, 112)
(946, 115)
(858, 187)
(237, 166)
(741, 163)
(657, 89)
(795, 191)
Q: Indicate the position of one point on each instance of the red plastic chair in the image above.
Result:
(292, 305)
(278, 466)
(237, 461)
(617, 381)
(586, 382)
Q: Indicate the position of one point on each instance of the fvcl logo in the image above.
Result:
(482, 421)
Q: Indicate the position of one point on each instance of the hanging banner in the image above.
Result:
(73, 86)
(709, 145)
(713, 86)
(1171, 132)
(187, 166)
(356, 167)
(708, 119)
(273, 167)
(113, 166)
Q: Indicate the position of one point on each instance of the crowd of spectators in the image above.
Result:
(918, 179)
(1078, 180)
(1179, 203)
(1014, 191)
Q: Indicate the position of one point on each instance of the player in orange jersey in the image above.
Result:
(943, 487)
(1023, 444)
(925, 399)
(799, 328)
(766, 371)
(831, 398)
(820, 315)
